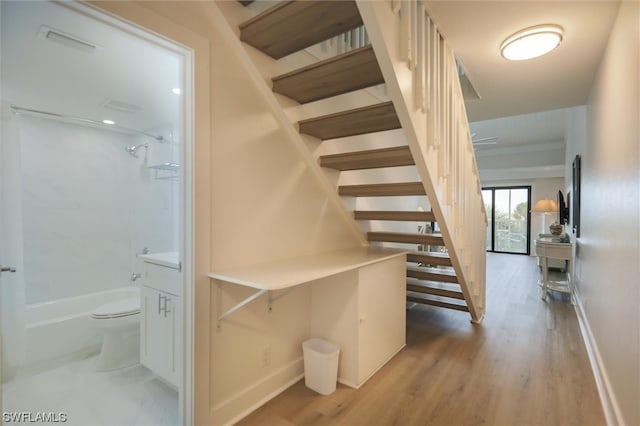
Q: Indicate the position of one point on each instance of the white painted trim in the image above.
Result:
(520, 149)
(612, 413)
(187, 184)
(518, 173)
(294, 369)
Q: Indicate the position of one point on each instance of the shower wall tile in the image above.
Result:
(89, 207)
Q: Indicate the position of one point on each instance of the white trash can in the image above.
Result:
(320, 365)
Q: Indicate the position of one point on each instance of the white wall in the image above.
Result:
(88, 207)
(257, 200)
(608, 253)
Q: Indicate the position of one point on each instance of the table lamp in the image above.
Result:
(545, 207)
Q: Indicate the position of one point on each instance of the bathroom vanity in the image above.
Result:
(161, 323)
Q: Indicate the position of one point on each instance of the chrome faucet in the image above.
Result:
(135, 276)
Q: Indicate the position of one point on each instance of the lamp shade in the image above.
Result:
(545, 206)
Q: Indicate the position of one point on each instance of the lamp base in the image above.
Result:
(556, 229)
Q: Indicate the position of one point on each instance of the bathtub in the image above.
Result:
(63, 327)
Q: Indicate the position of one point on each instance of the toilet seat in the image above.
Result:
(118, 309)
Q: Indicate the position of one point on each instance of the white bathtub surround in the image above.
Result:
(62, 327)
(88, 207)
(130, 396)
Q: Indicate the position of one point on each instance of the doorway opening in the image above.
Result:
(96, 201)
(509, 217)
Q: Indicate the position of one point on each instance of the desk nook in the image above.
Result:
(358, 301)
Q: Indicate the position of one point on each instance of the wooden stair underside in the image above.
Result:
(398, 237)
(434, 290)
(382, 189)
(439, 303)
(432, 274)
(291, 26)
(430, 258)
(403, 216)
(359, 121)
(344, 73)
(370, 159)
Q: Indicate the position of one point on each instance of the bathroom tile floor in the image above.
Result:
(130, 396)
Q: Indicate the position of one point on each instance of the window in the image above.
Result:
(508, 215)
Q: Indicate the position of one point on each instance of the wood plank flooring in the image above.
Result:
(526, 364)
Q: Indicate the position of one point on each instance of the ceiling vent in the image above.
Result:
(121, 106)
(67, 39)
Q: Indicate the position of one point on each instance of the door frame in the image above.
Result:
(187, 176)
(493, 217)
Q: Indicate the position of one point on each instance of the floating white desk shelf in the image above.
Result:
(286, 274)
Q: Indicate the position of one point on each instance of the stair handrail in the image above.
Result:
(422, 80)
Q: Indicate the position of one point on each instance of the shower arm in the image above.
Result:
(20, 110)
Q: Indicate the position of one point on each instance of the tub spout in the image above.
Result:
(135, 276)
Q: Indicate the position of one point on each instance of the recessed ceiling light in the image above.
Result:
(176, 90)
(531, 42)
(108, 122)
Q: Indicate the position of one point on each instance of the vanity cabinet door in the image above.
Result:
(158, 337)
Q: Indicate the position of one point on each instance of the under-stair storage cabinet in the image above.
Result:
(161, 326)
(364, 314)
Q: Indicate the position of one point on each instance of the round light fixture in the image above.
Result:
(531, 42)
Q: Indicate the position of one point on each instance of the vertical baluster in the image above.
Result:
(418, 73)
(413, 35)
(405, 30)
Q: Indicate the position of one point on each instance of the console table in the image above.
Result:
(553, 248)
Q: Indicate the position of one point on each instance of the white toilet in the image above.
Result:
(119, 323)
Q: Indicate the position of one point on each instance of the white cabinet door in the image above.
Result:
(158, 345)
(382, 314)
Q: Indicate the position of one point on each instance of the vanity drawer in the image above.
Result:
(163, 278)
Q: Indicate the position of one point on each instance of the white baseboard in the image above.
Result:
(243, 403)
(612, 413)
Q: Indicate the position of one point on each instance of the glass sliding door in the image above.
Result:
(508, 213)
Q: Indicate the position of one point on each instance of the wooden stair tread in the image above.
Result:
(430, 258)
(439, 303)
(294, 25)
(369, 119)
(399, 237)
(404, 216)
(442, 292)
(344, 73)
(382, 189)
(369, 159)
(432, 274)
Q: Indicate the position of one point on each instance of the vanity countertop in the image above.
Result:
(169, 259)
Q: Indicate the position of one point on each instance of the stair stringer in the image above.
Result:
(443, 154)
(292, 135)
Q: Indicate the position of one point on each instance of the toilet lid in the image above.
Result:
(119, 308)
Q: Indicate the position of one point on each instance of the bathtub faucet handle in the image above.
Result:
(145, 250)
(135, 276)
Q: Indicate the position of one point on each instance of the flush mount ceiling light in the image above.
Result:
(531, 42)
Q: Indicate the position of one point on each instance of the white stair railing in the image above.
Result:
(422, 79)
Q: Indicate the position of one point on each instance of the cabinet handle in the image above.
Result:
(167, 299)
(159, 303)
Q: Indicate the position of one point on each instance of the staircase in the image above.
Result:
(442, 268)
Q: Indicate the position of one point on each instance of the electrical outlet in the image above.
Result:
(265, 356)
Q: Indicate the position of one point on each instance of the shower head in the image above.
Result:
(133, 149)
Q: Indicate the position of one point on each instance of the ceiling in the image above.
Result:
(524, 102)
(38, 73)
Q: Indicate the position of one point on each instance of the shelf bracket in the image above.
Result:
(246, 301)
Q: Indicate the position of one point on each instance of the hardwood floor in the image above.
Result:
(526, 364)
